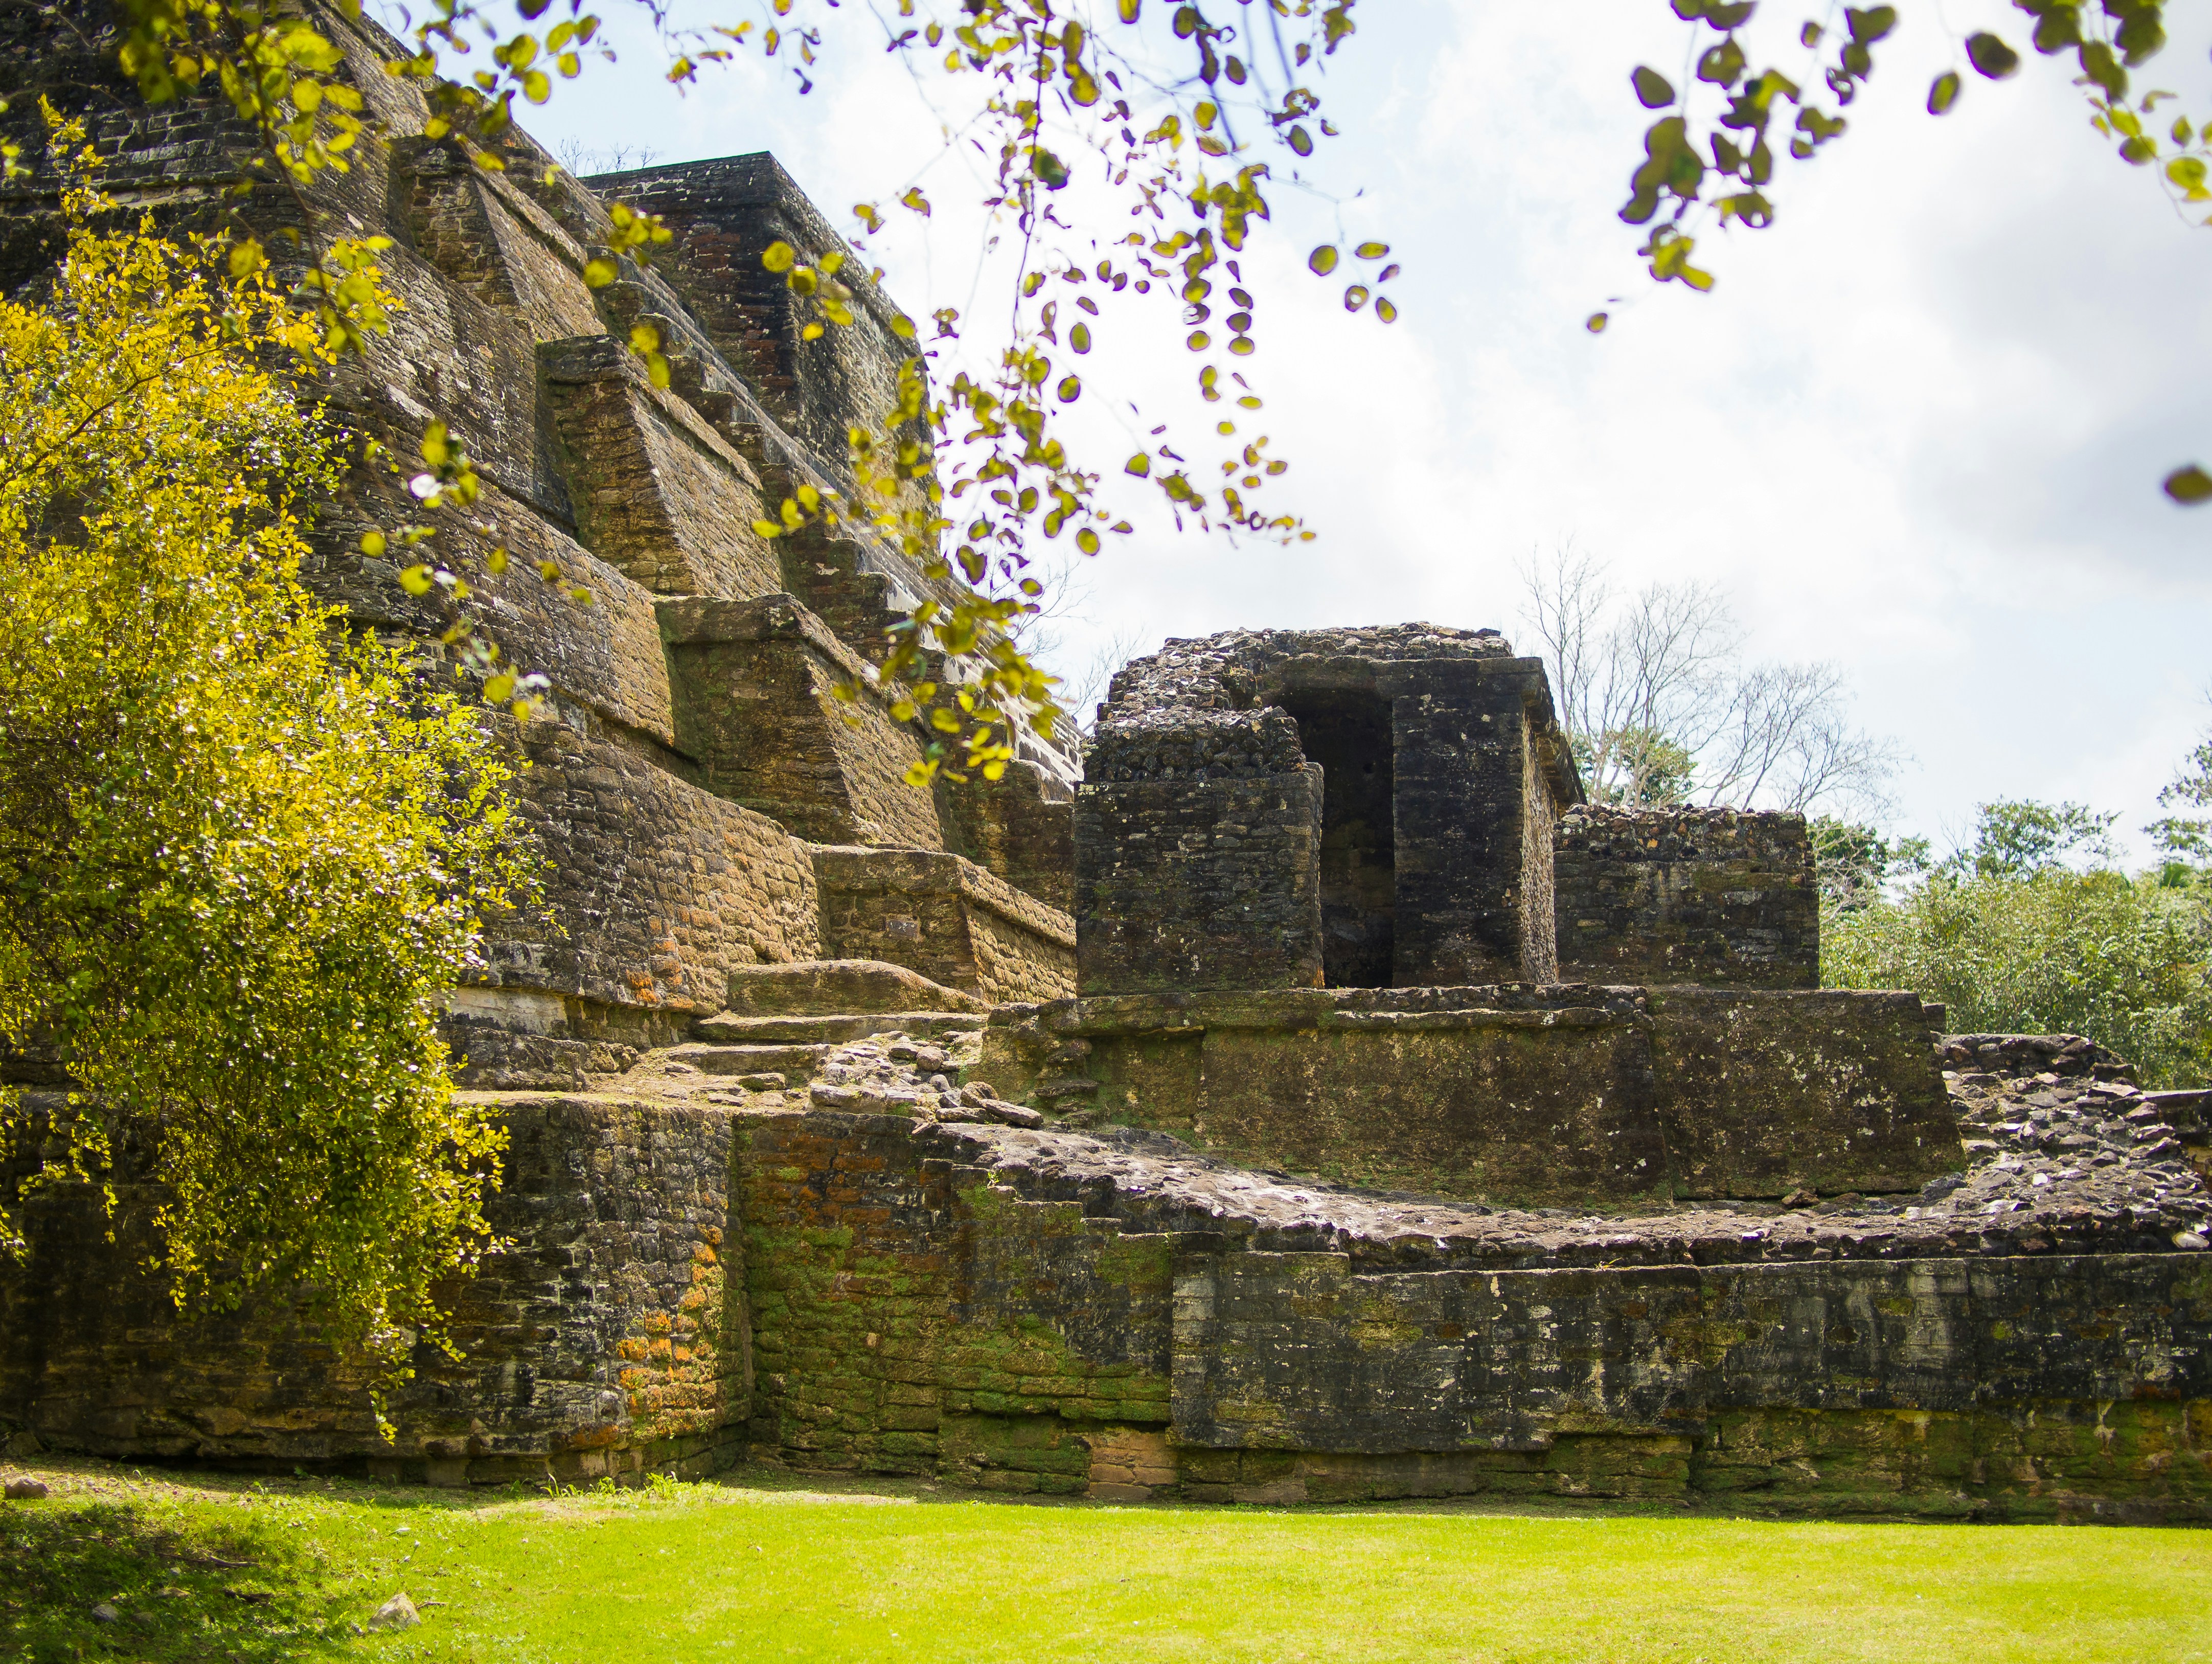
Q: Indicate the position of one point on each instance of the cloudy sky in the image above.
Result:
(1916, 431)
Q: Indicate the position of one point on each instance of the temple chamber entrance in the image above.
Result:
(1348, 733)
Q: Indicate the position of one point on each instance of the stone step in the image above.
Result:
(838, 988)
(727, 1028)
(796, 1063)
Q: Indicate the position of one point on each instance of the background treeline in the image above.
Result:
(2031, 927)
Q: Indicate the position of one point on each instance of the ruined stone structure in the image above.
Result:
(1309, 1098)
(1347, 808)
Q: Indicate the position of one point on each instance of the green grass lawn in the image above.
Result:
(213, 1568)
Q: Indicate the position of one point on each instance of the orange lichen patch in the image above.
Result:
(679, 1383)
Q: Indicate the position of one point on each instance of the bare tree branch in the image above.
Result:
(1660, 710)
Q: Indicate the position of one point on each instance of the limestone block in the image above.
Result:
(657, 491)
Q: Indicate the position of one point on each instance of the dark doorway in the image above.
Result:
(1349, 735)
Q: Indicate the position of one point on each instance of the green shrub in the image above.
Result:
(2122, 960)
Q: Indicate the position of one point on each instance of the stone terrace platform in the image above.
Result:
(824, 1240)
(1573, 1096)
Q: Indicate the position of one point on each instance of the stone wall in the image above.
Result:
(609, 1338)
(1437, 752)
(656, 490)
(912, 1318)
(1197, 858)
(1050, 1312)
(1833, 1089)
(757, 706)
(958, 1302)
(724, 214)
(1021, 826)
(1720, 897)
(1562, 1096)
(655, 890)
(946, 918)
(1539, 956)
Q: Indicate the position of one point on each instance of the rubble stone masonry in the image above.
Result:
(1721, 896)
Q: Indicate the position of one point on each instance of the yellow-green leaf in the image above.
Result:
(1322, 260)
(1991, 57)
(2191, 485)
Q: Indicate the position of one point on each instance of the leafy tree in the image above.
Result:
(2188, 838)
(2014, 938)
(1853, 862)
(2019, 838)
(1635, 768)
(242, 856)
(2126, 961)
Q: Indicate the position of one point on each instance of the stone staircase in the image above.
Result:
(783, 1022)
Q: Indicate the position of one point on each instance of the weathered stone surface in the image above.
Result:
(1210, 884)
(724, 214)
(656, 891)
(946, 918)
(1409, 860)
(1561, 1096)
(1719, 896)
(657, 491)
(1324, 1343)
(757, 705)
(608, 1337)
(1113, 1313)
(1764, 1093)
(1020, 826)
(834, 987)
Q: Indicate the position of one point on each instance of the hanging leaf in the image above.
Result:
(2190, 486)
(1322, 260)
(1653, 90)
(1944, 93)
(1991, 57)
(1595, 323)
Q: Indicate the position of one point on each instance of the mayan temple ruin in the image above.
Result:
(1300, 1094)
